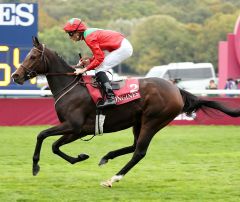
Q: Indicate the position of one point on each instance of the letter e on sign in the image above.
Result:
(7, 14)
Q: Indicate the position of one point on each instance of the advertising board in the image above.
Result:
(18, 23)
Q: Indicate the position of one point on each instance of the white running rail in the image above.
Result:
(15, 93)
(4, 93)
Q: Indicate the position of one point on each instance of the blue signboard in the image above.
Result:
(18, 23)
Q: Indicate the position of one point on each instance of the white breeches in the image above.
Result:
(115, 57)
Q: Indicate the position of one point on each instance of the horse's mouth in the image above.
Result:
(17, 79)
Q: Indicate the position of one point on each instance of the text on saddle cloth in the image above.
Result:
(128, 91)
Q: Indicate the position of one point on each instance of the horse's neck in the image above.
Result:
(58, 83)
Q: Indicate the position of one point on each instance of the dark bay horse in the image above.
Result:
(159, 104)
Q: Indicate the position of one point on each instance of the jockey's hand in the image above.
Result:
(80, 70)
(83, 62)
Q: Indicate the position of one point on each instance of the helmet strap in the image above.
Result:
(78, 25)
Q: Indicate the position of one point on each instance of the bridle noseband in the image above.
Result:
(31, 73)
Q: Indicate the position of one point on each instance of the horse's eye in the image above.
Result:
(32, 57)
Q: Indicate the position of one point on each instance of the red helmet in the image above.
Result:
(75, 24)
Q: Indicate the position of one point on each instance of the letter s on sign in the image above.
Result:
(24, 14)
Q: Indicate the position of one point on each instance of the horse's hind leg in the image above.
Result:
(56, 130)
(122, 151)
(146, 134)
(65, 140)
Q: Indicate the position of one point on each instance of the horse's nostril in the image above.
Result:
(15, 76)
(17, 79)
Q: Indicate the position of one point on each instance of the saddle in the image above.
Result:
(124, 90)
(116, 85)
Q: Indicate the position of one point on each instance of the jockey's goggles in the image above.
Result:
(71, 34)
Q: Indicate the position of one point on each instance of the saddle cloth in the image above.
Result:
(128, 91)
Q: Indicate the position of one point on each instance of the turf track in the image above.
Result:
(184, 163)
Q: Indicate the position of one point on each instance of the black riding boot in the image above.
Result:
(107, 88)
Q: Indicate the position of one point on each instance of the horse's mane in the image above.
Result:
(61, 59)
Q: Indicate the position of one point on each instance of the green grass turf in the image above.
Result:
(183, 163)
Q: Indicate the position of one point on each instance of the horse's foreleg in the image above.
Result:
(56, 130)
(65, 140)
(125, 150)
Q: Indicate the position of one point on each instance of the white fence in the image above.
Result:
(29, 93)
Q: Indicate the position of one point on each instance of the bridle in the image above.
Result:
(31, 73)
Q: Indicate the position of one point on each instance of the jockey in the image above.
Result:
(109, 49)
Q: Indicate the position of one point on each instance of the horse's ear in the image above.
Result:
(35, 41)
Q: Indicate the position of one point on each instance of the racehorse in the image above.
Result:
(159, 104)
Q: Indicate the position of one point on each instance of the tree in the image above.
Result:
(124, 26)
(56, 39)
(159, 40)
(214, 30)
(48, 21)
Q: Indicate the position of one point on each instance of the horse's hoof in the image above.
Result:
(102, 162)
(106, 184)
(83, 157)
(36, 169)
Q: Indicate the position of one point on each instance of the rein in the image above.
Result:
(65, 90)
(69, 87)
(61, 74)
(32, 73)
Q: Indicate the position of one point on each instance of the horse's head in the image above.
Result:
(32, 65)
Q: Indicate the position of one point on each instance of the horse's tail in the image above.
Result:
(192, 103)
